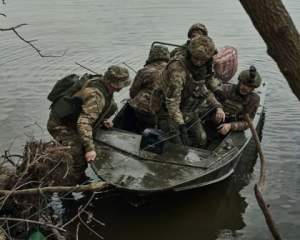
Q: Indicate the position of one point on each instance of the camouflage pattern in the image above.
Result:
(79, 135)
(117, 76)
(197, 27)
(244, 76)
(159, 52)
(194, 126)
(249, 102)
(202, 47)
(143, 86)
(68, 136)
(175, 83)
(179, 52)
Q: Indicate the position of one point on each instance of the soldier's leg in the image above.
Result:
(67, 136)
(167, 125)
(197, 133)
(170, 127)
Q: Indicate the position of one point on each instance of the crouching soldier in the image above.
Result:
(72, 118)
(182, 91)
(144, 84)
(241, 100)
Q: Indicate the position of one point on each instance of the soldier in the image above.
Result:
(183, 90)
(144, 84)
(212, 83)
(72, 124)
(195, 30)
(241, 100)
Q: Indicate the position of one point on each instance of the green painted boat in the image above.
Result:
(122, 164)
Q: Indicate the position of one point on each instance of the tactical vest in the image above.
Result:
(234, 104)
(193, 93)
(68, 111)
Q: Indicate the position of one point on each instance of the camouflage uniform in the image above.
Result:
(179, 52)
(237, 105)
(183, 94)
(144, 84)
(245, 105)
(79, 134)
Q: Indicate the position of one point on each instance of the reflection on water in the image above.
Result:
(100, 33)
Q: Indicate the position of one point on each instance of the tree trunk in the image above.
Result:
(276, 27)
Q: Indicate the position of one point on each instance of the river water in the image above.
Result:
(100, 33)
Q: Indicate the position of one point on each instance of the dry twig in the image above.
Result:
(77, 230)
(101, 223)
(79, 212)
(258, 188)
(90, 228)
(29, 42)
(31, 221)
(35, 123)
(91, 187)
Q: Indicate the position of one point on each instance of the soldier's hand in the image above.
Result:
(90, 156)
(108, 124)
(220, 115)
(224, 128)
(184, 135)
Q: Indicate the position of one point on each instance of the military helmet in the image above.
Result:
(250, 77)
(159, 52)
(117, 76)
(197, 27)
(202, 47)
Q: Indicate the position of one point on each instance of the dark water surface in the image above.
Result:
(100, 33)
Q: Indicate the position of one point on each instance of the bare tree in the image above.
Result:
(276, 27)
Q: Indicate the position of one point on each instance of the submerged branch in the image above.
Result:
(92, 187)
(31, 221)
(262, 177)
(258, 188)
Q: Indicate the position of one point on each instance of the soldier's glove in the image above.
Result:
(184, 135)
(220, 95)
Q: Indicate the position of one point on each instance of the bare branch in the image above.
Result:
(90, 228)
(12, 28)
(258, 188)
(29, 42)
(79, 212)
(262, 177)
(35, 123)
(31, 221)
(77, 230)
(3, 1)
(55, 232)
(92, 187)
(2, 14)
(3, 234)
(89, 215)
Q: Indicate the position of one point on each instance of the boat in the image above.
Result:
(124, 165)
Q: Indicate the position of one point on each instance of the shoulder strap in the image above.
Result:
(187, 72)
(78, 93)
(99, 121)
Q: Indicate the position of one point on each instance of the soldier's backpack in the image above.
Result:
(68, 85)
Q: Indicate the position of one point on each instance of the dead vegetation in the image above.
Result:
(43, 168)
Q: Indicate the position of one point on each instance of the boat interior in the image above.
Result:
(126, 120)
